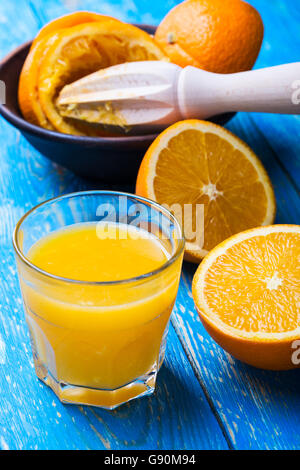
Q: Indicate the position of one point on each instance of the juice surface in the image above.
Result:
(99, 336)
(98, 252)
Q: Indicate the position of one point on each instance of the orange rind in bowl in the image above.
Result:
(57, 59)
(68, 21)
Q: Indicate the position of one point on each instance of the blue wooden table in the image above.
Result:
(205, 399)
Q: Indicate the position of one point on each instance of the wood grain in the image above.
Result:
(204, 399)
(31, 417)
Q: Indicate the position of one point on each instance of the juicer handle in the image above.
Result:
(203, 94)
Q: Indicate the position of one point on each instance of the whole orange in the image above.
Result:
(221, 36)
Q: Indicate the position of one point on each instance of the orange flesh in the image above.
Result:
(255, 285)
(228, 185)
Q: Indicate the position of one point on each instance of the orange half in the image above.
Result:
(247, 294)
(208, 178)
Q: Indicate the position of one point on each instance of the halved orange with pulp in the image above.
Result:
(198, 165)
(247, 294)
(84, 49)
(28, 84)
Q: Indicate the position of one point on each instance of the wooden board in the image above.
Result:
(204, 399)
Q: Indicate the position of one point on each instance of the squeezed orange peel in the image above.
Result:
(57, 59)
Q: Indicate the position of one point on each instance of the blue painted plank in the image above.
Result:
(14, 28)
(283, 138)
(287, 196)
(281, 45)
(30, 415)
(259, 409)
(256, 409)
(158, 423)
(281, 39)
(130, 11)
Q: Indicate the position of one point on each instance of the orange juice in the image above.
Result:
(98, 252)
(101, 327)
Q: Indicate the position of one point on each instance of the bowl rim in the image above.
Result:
(23, 125)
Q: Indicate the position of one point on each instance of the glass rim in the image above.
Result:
(141, 277)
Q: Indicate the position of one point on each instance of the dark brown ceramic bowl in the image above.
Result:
(108, 159)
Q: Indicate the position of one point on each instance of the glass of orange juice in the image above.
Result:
(99, 273)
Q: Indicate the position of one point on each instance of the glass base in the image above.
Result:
(107, 399)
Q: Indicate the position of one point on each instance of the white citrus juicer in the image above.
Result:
(155, 94)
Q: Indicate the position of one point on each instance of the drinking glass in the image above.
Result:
(98, 343)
